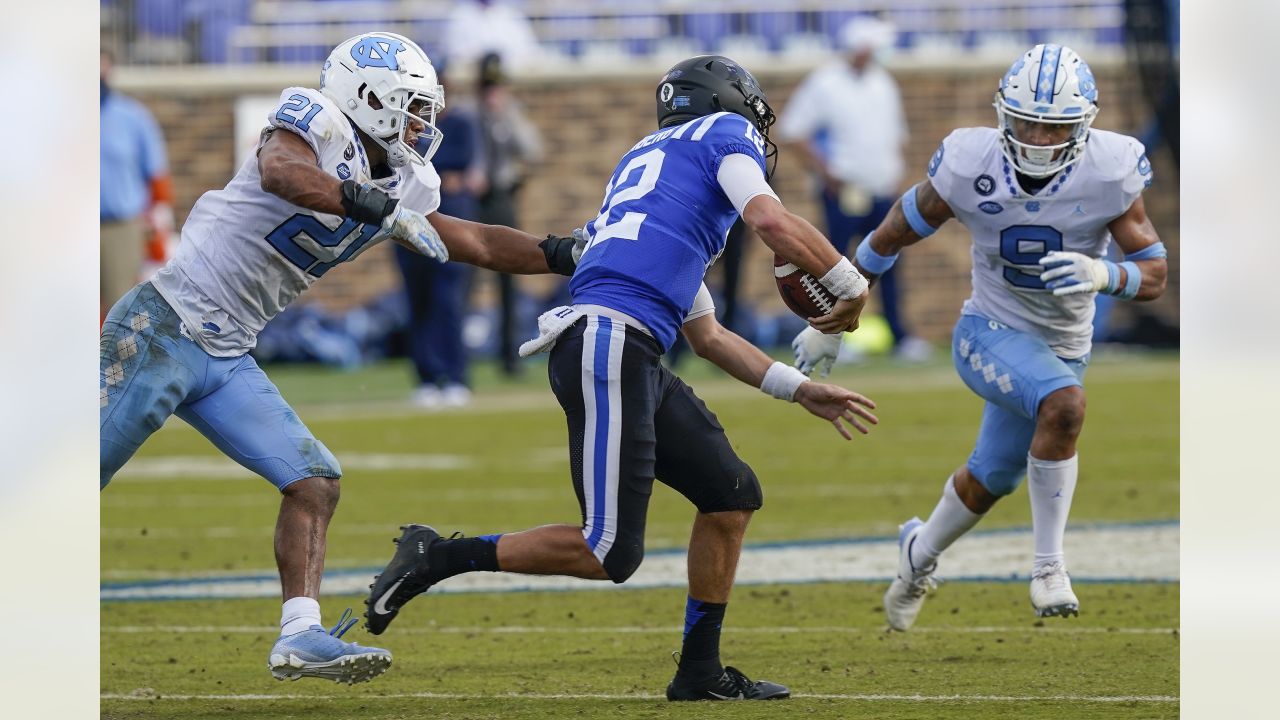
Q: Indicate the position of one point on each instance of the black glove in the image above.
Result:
(559, 254)
(366, 203)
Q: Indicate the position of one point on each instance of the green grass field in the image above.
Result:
(501, 465)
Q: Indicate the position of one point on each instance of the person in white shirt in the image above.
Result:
(479, 27)
(847, 121)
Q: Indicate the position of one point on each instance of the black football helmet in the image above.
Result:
(709, 84)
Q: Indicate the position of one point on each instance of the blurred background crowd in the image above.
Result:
(542, 99)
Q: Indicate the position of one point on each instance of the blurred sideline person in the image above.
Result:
(437, 292)
(847, 121)
(1043, 196)
(479, 27)
(511, 144)
(666, 210)
(335, 172)
(136, 212)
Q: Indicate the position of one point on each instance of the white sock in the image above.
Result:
(950, 520)
(299, 614)
(1050, 484)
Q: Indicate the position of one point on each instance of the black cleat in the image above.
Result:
(731, 685)
(403, 579)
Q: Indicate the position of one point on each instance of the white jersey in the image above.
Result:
(246, 254)
(1012, 230)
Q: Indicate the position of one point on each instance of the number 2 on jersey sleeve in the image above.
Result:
(1026, 245)
(628, 226)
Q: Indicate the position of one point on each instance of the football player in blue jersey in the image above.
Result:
(665, 215)
(335, 172)
(1042, 195)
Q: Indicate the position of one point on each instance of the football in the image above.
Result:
(802, 292)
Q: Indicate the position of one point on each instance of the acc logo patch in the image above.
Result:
(377, 52)
(344, 172)
(936, 161)
(350, 152)
(984, 185)
(991, 208)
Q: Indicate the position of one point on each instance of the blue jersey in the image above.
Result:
(663, 222)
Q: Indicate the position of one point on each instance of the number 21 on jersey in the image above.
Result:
(622, 191)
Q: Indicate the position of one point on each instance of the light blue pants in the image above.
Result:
(1014, 372)
(149, 370)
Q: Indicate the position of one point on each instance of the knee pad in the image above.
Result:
(624, 557)
(1001, 479)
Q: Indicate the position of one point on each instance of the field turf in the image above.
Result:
(501, 465)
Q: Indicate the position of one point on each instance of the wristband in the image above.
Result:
(559, 254)
(366, 203)
(844, 281)
(914, 218)
(782, 381)
(872, 261)
(1132, 281)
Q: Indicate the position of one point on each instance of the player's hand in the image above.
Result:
(837, 405)
(815, 351)
(842, 318)
(1069, 273)
(413, 228)
(579, 243)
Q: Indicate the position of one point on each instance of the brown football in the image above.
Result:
(801, 291)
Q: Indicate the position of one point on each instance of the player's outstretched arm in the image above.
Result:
(744, 361)
(1140, 277)
(288, 168)
(913, 217)
(797, 241)
(495, 247)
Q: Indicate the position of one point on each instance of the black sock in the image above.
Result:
(454, 557)
(700, 656)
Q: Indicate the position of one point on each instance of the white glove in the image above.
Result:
(815, 351)
(579, 244)
(1069, 273)
(412, 227)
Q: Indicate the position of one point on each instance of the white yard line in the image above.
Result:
(1134, 553)
(1064, 629)
(647, 698)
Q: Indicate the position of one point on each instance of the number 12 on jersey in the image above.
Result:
(1025, 245)
(628, 226)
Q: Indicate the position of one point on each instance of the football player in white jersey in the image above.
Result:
(1042, 196)
(335, 172)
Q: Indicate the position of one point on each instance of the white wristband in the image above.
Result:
(782, 381)
(844, 281)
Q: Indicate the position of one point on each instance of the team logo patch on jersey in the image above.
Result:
(377, 52)
(984, 185)
(350, 152)
(991, 208)
(344, 172)
(1033, 206)
(936, 161)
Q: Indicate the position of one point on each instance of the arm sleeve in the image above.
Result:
(741, 180)
(702, 304)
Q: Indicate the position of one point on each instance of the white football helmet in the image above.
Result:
(380, 80)
(1048, 84)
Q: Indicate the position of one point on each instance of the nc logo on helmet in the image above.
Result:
(377, 52)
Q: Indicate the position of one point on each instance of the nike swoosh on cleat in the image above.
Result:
(380, 607)
(739, 696)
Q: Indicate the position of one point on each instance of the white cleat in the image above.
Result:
(905, 596)
(1051, 594)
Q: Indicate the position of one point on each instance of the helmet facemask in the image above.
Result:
(763, 120)
(1038, 161)
(402, 107)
